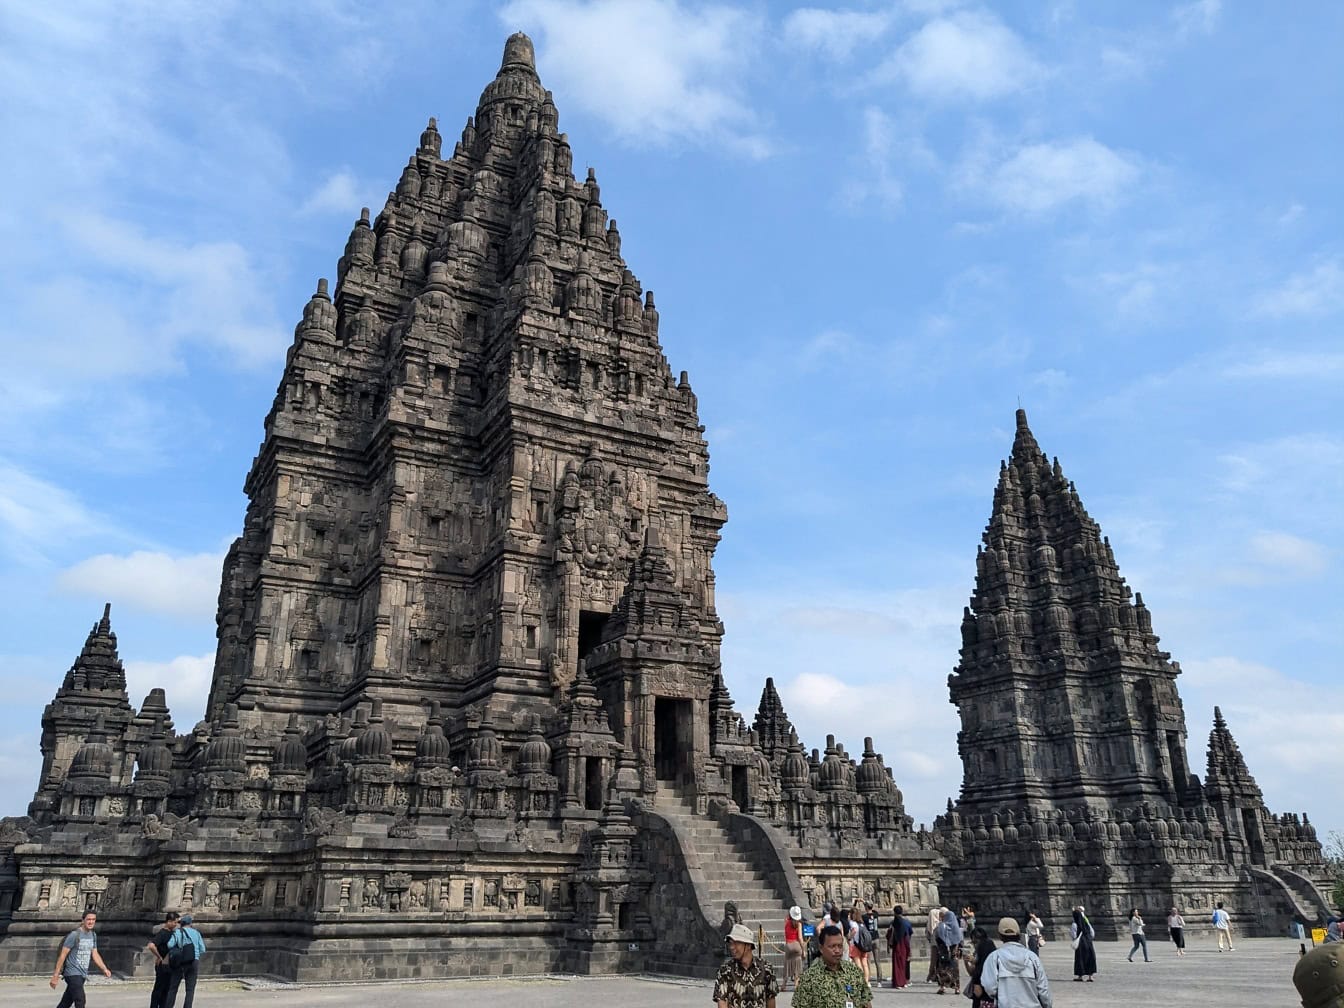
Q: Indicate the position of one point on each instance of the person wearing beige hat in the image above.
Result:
(1319, 977)
(1012, 974)
(745, 980)
(793, 945)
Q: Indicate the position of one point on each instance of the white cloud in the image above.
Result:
(655, 71)
(967, 54)
(1317, 291)
(1288, 555)
(835, 33)
(1279, 730)
(1042, 177)
(150, 581)
(185, 681)
(339, 194)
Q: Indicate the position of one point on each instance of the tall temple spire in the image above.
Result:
(1228, 776)
(98, 667)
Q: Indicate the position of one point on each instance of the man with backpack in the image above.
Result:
(185, 949)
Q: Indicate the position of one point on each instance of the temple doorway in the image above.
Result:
(673, 738)
(741, 790)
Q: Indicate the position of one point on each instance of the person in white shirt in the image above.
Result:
(1176, 925)
(1136, 932)
(1222, 924)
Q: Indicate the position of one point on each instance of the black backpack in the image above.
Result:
(184, 954)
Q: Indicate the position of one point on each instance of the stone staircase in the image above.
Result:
(1313, 905)
(729, 869)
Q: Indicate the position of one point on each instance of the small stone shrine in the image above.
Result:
(467, 713)
(1076, 789)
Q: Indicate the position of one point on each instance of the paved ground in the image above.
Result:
(1257, 975)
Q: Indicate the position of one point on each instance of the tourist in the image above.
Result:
(1176, 925)
(1319, 978)
(859, 943)
(77, 951)
(967, 919)
(1136, 933)
(793, 946)
(1332, 931)
(981, 948)
(1081, 937)
(869, 921)
(1222, 924)
(831, 982)
(843, 923)
(931, 931)
(1012, 975)
(898, 940)
(162, 971)
(184, 955)
(745, 981)
(947, 939)
(1035, 933)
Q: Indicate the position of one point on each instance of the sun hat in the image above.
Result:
(796, 912)
(742, 933)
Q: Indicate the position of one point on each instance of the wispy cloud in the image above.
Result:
(665, 72)
(963, 55)
(37, 517)
(1316, 291)
(834, 33)
(341, 193)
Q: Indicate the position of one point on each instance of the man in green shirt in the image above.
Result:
(832, 981)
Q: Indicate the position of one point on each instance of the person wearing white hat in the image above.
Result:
(793, 945)
(745, 981)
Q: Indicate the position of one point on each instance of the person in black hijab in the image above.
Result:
(1081, 934)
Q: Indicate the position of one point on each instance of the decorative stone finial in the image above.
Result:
(518, 52)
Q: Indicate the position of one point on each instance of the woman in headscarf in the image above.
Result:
(935, 918)
(898, 940)
(984, 945)
(1081, 935)
(947, 940)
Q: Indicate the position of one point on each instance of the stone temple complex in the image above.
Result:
(468, 715)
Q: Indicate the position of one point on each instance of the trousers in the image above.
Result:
(183, 976)
(1140, 942)
(74, 992)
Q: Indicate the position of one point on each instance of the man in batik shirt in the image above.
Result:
(745, 981)
(832, 981)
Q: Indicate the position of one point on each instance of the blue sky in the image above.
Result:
(873, 231)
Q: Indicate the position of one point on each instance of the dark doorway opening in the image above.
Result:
(741, 792)
(591, 625)
(593, 791)
(673, 738)
(1251, 824)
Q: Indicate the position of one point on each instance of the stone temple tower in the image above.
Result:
(472, 442)
(1076, 786)
(467, 712)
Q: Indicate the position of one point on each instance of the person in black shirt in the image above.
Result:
(162, 971)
